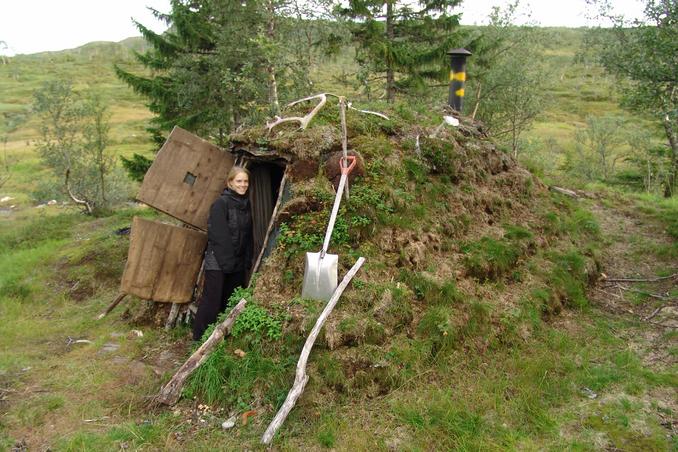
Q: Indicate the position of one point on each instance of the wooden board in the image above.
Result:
(163, 261)
(187, 175)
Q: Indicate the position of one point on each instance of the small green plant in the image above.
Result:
(489, 259)
(568, 278)
(437, 326)
(441, 157)
(295, 242)
(415, 171)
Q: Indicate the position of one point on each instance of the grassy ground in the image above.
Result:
(595, 376)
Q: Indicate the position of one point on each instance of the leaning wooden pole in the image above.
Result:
(111, 306)
(301, 378)
(170, 393)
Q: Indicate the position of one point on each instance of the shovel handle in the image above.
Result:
(346, 170)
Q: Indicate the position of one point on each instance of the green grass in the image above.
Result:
(434, 362)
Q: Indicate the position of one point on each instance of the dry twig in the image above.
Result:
(657, 311)
(660, 278)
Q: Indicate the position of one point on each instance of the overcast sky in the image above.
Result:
(29, 26)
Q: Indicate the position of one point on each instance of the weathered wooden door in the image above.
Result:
(163, 261)
(187, 175)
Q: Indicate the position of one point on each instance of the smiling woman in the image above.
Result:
(32, 26)
(229, 249)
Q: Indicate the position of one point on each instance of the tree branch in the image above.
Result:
(80, 202)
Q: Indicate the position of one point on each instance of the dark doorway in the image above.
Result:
(264, 189)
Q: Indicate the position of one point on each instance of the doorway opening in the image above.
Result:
(266, 183)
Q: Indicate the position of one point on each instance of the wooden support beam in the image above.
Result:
(172, 318)
(301, 378)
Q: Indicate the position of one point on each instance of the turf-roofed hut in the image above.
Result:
(465, 250)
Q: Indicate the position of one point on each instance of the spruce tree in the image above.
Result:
(402, 41)
(220, 64)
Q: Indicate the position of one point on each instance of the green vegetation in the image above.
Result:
(472, 325)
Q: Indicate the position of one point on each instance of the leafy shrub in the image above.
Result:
(295, 242)
(253, 320)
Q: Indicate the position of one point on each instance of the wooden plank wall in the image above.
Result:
(163, 261)
(164, 186)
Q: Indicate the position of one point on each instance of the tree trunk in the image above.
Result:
(670, 188)
(272, 83)
(390, 36)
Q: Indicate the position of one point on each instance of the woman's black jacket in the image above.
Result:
(229, 232)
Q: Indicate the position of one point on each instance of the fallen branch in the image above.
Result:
(111, 306)
(643, 292)
(171, 392)
(608, 293)
(564, 191)
(656, 311)
(301, 378)
(660, 278)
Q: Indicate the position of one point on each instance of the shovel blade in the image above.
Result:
(320, 276)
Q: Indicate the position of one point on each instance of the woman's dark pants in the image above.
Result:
(215, 293)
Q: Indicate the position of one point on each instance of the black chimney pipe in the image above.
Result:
(457, 77)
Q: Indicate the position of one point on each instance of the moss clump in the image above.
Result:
(441, 156)
(489, 259)
(569, 277)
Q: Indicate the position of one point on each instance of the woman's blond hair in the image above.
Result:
(235, 171)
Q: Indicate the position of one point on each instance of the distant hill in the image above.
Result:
(97, 48)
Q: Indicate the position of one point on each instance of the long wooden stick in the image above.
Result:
(301, 378)
(170, 393)
(660, 278)
(111, 306)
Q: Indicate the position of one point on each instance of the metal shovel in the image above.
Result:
(320, 276)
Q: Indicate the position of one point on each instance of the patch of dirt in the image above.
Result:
(630, 285)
